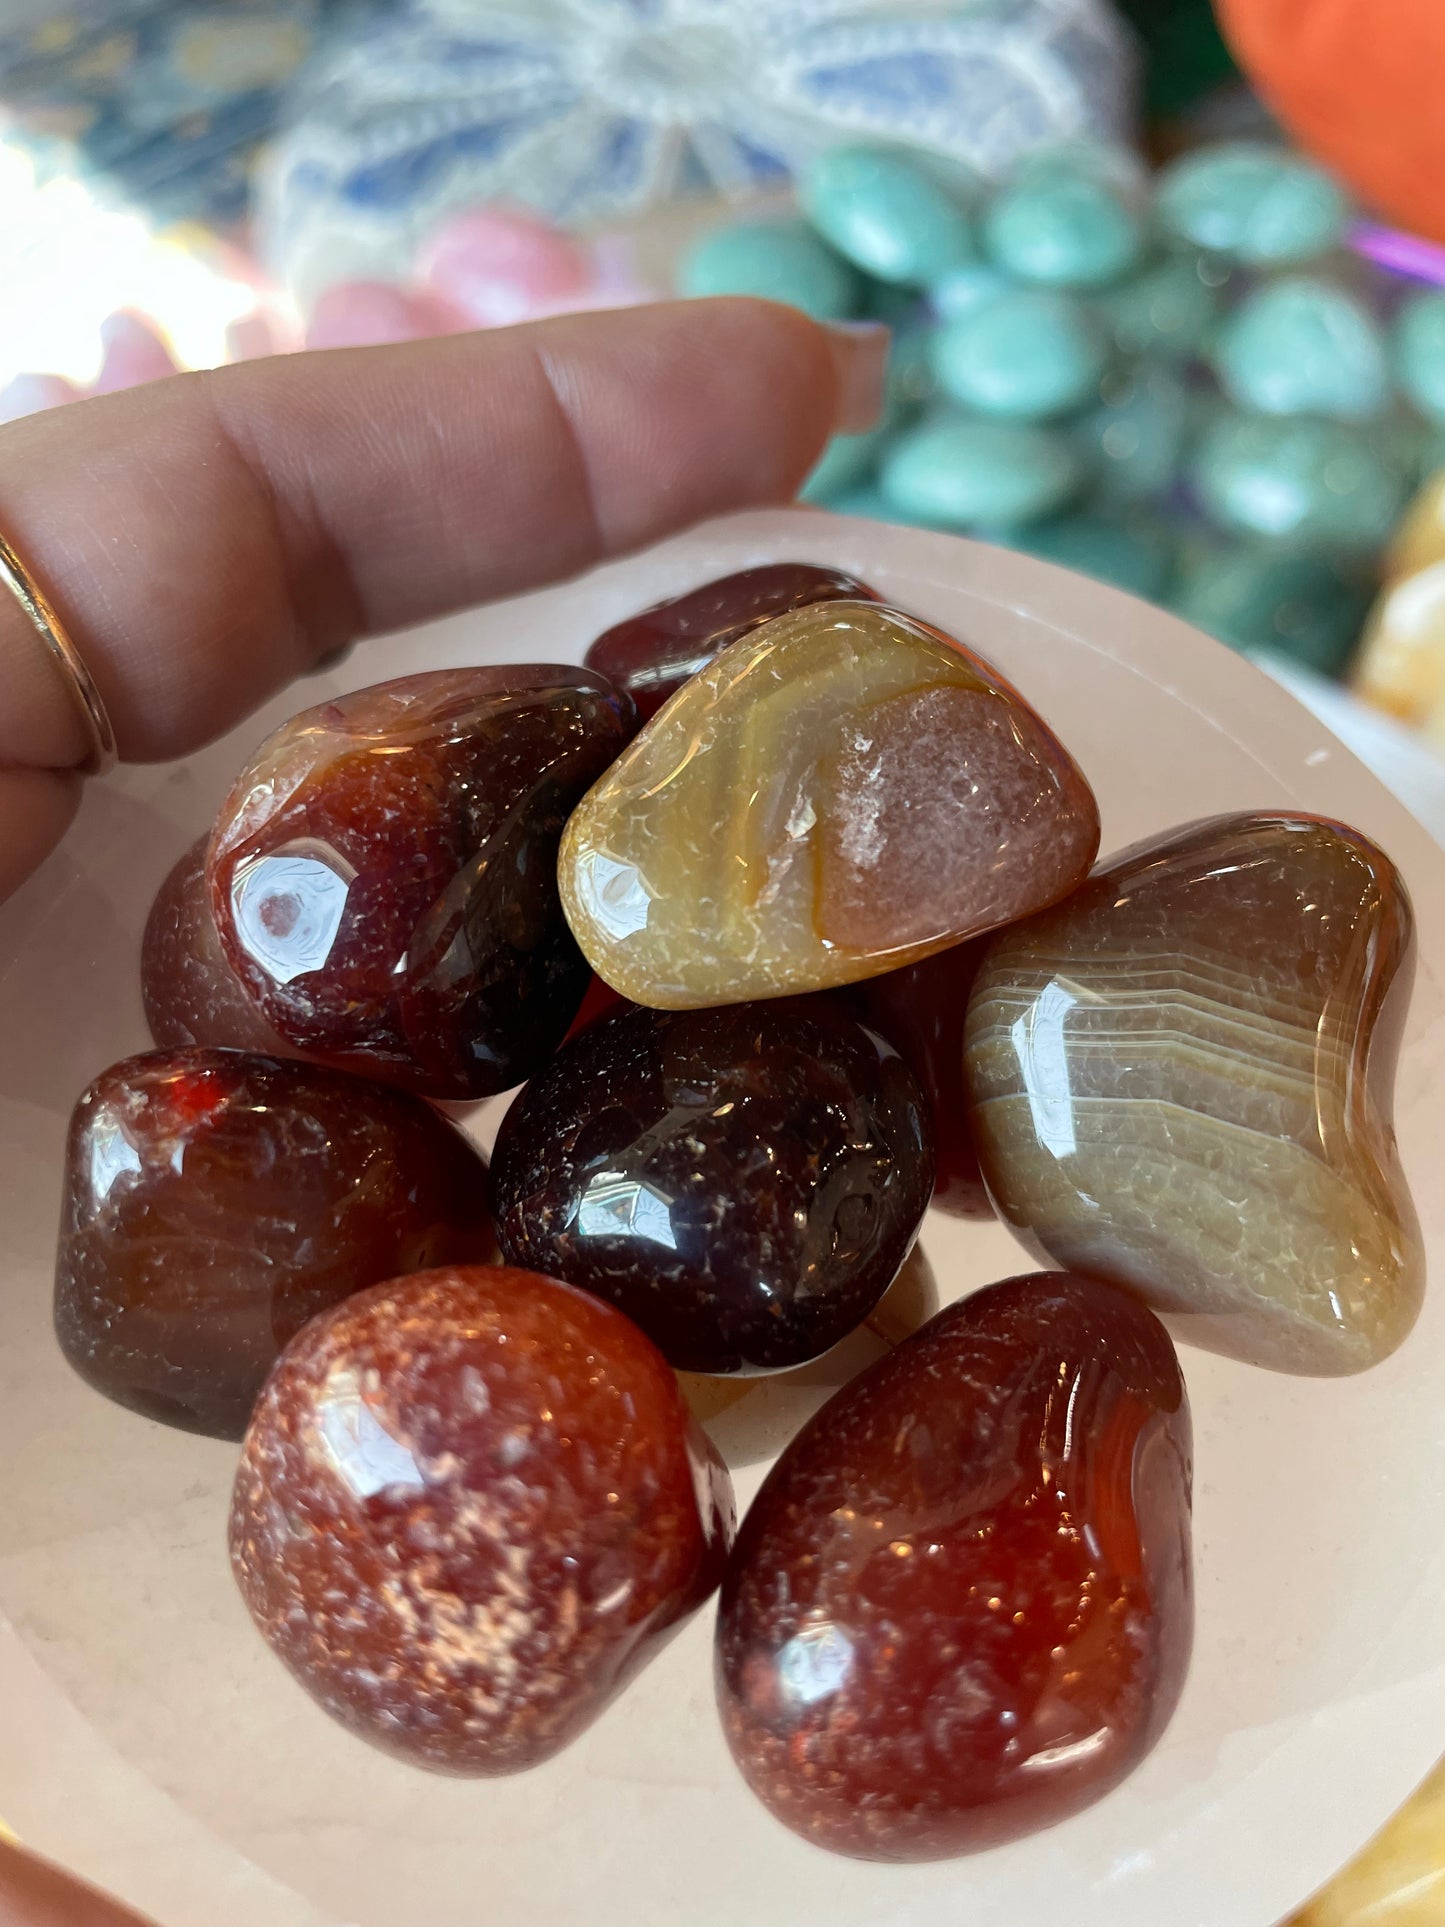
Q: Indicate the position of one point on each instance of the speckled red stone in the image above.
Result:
(469, 1508)
(960, 1606)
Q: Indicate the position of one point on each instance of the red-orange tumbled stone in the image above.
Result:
(215, 1200)
(192, 995)
(470, 1506)
(383, 874)
(960, 1606)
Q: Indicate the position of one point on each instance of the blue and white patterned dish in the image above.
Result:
(164, 103)
(593, 111)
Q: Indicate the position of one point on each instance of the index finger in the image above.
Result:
(207, 538)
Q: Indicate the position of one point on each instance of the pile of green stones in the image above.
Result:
(1186, 384)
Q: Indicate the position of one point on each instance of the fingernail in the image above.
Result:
(860, 356)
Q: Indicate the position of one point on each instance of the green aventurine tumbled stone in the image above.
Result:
(1252, 202)
(1027, 354)
(1302, 346)
(1298, 479)
(967, 472)
(965, 288)
(1133, 440)
(1419, 352)
(1062, 223)
(1133, 556)
(1167, 311)
(1257, 597)
(778, 261)
(886, 215)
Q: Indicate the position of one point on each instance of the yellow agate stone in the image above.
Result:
(841, 791)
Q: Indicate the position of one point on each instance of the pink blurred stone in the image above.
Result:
(259, 334)
(134, 352)
(30, 394)
(366, 314)
(502, 265)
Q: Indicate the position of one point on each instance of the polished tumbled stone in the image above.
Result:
(1173, 1087)
(960, 1606)
(841, 792)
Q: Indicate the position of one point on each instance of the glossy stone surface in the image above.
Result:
(1178, 1085)
(839, 793)
(958, 471)
(1298, 479)
(776, 261)
(382, 872)
(920, 1010)
(744, 1183)
(650, 655)
(216, 1200)
(471, 1506)
(191, 993)
(1062, 223)
(960, 1608)
(1257, 204)
(886, 215)
(1303, 346)
(1026, 355)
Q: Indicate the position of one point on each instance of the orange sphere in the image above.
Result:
(1359, 86)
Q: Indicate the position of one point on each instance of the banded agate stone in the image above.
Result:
(383, 873)
(471, 1506)
(652, 655)
(1180, 1081)
(215, 1200)
(960, 1607)
(745, 1182)
(191, 993)
(839, 793)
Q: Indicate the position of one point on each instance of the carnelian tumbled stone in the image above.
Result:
(653, 654)
(960, 1606)
(470, 1506)
(383, 874)
(216, 1200)
(192, 995)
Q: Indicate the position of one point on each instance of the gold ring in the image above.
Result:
(51, 631)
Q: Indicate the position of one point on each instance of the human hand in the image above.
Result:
(207, 538)
(35, 1894)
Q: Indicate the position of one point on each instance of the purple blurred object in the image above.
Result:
(1403, 254)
